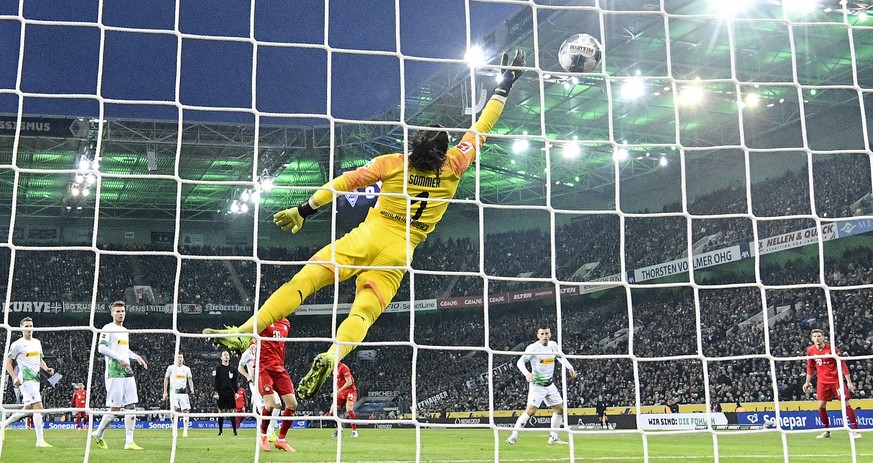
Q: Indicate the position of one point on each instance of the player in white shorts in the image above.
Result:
(27, 355)
(542, 355)
(121, 392)
(247, 369)
(179, 375)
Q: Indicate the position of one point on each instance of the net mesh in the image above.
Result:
(737, 137)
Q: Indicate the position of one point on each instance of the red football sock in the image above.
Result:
(265, 422)
(823, 414)
(853, 420)
(353, 417)
(286, 424)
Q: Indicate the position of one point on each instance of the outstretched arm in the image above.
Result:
(461, 156)
(292, 219)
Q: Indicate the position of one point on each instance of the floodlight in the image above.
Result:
(691, 95)
(74, 191)
(90, 179)
(663, 161)
(571, 150)
(86, 192)
(620, 154)
(243, 208)
(244, 196)
(520, 146)
(732, 8)
(234, 207)
(633, 89)
(752, 100)
(800, 6)
(474, 57)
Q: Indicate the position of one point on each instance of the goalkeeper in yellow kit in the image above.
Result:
(421, 181)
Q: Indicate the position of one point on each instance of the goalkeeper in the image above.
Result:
(542, 355)
(426, 176)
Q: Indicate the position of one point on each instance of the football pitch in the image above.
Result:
(438, 446)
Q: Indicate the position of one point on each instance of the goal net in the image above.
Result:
(681, 218)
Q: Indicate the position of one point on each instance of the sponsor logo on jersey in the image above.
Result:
(548, 361)
(465, 147)
(32, 354)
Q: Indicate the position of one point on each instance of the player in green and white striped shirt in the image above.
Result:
(27, 354)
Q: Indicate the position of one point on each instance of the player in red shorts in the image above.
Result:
(272, 376)
(78, 402)
(241, 399)
(828, 387)
(346, 395)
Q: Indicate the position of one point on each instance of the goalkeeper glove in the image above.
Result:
(511, 74)
(293, 218)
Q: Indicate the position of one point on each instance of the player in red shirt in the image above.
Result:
(828, 384)
(241, 399)
(78, 401)
(346, 395)
(272, 376)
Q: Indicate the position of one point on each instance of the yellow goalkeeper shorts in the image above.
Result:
(368, 246)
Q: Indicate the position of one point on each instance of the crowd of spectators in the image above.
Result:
(676, 344)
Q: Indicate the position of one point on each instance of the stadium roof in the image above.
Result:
(549, 108)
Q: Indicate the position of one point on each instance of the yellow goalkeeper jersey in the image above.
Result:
(424, 194)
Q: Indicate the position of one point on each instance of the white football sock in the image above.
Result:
(519, 423)
(556, 423)
(129, 426)
(104, 423)
(37, 426)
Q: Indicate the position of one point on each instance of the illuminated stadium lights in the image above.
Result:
(256, 196)
(520, 146)
(474, 57)
(84, 163)
(691, 95)
(731, 8)
(245, 196)
(752, 100)
(620, 154)
(243, 208)
(571, 150)
(633, 88)
(86, 192)
(75, 191)
(799, 6)
(90, 179)
(234, 207)
(663, 161)
(79, 178)
(863, 16)
(266, 184)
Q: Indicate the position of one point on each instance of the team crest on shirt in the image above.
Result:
(465, 147)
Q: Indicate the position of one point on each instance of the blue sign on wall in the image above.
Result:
(804, 419)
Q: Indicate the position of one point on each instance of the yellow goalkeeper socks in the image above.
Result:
(365, 310)
(285, 300)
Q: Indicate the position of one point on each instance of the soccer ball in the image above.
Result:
(580, 53)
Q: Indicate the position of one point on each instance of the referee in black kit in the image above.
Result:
(225, 387)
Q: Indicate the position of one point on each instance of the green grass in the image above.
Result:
(440, 445)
